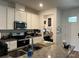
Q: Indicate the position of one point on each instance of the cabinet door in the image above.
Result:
(2, 17)
(23, 16)
(20, 16)
(37, 40)
(32, 21)
(35, 21)
(13, 45)
(29, 20)
(10, 18)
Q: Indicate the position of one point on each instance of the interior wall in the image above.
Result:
(59, 27)
(66, 26)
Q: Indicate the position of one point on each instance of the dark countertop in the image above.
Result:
(8, 40)
(12, 31)
(12, 39)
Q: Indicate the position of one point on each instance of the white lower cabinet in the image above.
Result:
(37, 40)
(12, 45)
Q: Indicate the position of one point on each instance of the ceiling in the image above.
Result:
(48, 4)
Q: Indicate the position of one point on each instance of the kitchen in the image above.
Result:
(23, 28)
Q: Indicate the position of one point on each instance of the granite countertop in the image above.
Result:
(7, 40)
(11, 39)
(52, 51)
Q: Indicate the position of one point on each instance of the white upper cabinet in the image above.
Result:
(8, 15)
(29, 20)
(20, 7)
(20, 13)
(10, 18)
(35, 21)
(2, 17)
(32, 21)
(20, 16)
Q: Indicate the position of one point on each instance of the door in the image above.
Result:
(53, 25)
(74, 35)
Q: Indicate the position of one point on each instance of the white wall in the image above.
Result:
(59, 30)
(66, 29)
(66, 26)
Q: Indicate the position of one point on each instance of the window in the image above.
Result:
(72, 19)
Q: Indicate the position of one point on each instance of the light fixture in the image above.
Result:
(41, 5)
(21, 9)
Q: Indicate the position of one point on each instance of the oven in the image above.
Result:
(22, 42)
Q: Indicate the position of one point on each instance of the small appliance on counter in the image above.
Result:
(20, 25)
(21, 43)
(3, 49)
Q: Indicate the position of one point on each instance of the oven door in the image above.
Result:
(21, 43)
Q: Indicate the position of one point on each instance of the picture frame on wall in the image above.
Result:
(49, 21)
(44, 22)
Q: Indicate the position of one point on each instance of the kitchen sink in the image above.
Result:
(16, 53)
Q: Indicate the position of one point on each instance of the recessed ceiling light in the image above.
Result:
(41, 5)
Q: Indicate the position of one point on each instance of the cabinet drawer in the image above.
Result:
(12, 45)
(37, 40)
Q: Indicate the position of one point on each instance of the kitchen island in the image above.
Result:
(52, 51)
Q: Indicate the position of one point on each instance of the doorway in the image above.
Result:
(50, 25)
